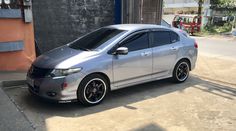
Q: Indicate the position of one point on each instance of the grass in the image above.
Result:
(214, 30)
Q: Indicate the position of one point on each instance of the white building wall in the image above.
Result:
(186, 6)
(180, 3)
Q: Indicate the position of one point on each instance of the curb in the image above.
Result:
(12, 83)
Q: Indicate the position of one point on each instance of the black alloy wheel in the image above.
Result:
(181, 71)
(92, 89)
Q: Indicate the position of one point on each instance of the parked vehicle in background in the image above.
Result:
(188, 23)
(221, 20)
(111, 58)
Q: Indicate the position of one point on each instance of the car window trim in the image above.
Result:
(127, 37)
(161, 30)
(177, 35)
(164, 30)
(148, 45)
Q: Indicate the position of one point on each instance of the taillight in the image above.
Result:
(195, 45)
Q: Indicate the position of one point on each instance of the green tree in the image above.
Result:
(223, 4)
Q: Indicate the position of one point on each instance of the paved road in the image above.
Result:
(217, 47)
(217, 59)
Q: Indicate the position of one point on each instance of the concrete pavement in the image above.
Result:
(12, 119)
(216, 69)
(195, 105)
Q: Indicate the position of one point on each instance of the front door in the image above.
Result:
(136, 66)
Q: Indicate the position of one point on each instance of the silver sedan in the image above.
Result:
(111, 58)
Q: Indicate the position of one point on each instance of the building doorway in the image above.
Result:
(141, 11)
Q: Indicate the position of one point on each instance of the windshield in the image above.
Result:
(95, 39)
(187, 19)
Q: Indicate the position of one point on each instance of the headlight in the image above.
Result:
(64, 72)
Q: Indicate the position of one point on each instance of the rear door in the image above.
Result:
(165, 46)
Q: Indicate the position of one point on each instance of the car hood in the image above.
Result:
(63, 58)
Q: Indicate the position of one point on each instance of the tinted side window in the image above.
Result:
(95, 39)
(160, 38)
(174, 37)
(136, 42)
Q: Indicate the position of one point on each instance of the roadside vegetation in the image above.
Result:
(228, 7)
(214, 29)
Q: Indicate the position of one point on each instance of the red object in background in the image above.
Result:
(189, 23)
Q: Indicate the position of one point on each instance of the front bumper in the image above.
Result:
(52, 88)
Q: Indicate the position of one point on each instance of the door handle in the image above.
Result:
(174, 48)
(146, 54)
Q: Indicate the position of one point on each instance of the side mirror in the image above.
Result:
(121, 51)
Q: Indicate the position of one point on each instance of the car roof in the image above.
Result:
(132, 27)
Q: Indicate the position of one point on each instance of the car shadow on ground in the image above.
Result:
(119, 98)
(150, 127)
(123, 97)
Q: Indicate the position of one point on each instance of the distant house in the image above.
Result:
(211, 11)
(183, 6)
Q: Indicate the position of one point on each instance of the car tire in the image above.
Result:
(92, 90)
(181, 71)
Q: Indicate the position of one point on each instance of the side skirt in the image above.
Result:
(137, 83)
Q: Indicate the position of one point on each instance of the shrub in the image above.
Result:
(212, 29)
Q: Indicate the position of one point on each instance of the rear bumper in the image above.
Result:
(194, 59)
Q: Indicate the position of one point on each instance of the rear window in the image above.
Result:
(160, 38)
(95, 39)
(187, 20)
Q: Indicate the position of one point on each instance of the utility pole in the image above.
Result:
(200, 3)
